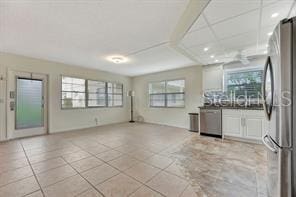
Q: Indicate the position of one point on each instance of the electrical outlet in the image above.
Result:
(97, 121)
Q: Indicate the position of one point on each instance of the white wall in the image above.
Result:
(61, 120)
(169, 116)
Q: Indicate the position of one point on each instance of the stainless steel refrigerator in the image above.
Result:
(280, 108)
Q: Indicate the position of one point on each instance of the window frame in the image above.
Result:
(107, 94)
(87, 93)
(239, 70)
(61, 92)
(166, 94)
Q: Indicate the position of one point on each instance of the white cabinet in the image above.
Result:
(232, 123)
(212, 78)
(246, 124)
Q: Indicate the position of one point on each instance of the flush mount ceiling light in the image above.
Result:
(269, 34)
(274, 15)
(117, 59)
(216, 60)
(212, 56)
(206, 49)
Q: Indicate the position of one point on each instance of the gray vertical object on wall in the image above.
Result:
(131, 94)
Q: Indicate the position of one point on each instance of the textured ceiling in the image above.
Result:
(85, 32)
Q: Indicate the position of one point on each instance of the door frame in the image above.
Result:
(12, 132)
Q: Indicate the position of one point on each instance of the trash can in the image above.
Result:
(193, 117)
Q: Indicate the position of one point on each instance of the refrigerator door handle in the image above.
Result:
(268, 107)
(268, 143)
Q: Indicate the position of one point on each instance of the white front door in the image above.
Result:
(27, 104)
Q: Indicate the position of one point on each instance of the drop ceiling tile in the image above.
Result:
(199, 24)
(242, 24)
(269, 2)
(241, 41)
(281, 7)
(218, 10)
(198, 37)
(214, 49)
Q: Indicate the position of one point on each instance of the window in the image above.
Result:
(157, 94)
(115, 95)
(167, 93)
(175, 93)
(243, 83)
(73, 92)
(96, 91)
(82, 93)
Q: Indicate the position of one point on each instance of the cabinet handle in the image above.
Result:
(243, 122)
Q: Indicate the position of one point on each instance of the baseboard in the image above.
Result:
(85, 127)
(164, 124)
(242, 139)
(70, 129)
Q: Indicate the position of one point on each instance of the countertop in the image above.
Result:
(254, 107)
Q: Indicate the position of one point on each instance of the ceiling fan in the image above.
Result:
(237, 57)
(242, 58)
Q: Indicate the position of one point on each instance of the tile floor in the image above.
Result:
(137, 160)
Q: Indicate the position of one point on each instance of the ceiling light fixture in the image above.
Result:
(274, 15)
(216, 60)
(269, 34)
(117, 59)
(206, 49)
(212, 56)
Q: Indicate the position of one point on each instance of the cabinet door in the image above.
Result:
(254, 127)
(232, 126)
(213, 78)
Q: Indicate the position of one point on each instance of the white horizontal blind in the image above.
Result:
(115, 95)
(83, 93)
(73, 92)
(96, 91)
(167, 93)
(244, 83)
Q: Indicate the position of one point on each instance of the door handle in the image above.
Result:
(268, 107)
(268, 144)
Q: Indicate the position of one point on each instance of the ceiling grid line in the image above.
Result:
(214, 33)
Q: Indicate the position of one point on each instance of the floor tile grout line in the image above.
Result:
(124, 174)
(9, 170)
(184, 190)
(16, 180)
(51, 184)
(145, 184)
(159, 153)
(33, 171)
(52, 157)
(85, 178)
(32, 193)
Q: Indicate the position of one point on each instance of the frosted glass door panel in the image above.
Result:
(29, 103)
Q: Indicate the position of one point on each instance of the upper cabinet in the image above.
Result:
(212, 78)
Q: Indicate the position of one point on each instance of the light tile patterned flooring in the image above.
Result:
(137, 160)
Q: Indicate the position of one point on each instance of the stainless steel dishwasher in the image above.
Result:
(211, 122)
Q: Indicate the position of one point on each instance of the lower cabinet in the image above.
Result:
(245, 124)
